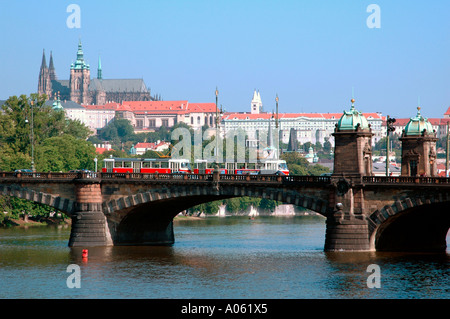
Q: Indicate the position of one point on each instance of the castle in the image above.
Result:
(81, 89)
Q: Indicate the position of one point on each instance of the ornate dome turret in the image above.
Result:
(352, 120)
(418, 126)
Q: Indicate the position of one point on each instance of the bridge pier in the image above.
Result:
(150, 233)
(89, 225)
(345, 232)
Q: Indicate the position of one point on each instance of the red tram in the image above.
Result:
(166, 166)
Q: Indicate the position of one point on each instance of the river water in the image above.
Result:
(216, 258)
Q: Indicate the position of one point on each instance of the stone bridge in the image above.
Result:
(362, 213)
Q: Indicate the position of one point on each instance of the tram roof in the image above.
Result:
(133, 159)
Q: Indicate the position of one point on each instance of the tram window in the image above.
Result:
(157, 164)
(251, 166)
(146, 164)
(164, 164)
(126, 164)
(118, 164)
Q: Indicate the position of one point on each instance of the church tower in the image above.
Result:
(51, 69)
(256, 103)
(44, 83)
(79, 79)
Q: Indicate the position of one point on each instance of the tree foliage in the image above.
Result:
(59, 144)
(17, 122)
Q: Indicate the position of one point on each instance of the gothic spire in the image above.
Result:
(44, 63)
(99, 69)
(51, 68)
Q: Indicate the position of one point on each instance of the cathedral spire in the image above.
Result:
(44, 63)
(44, 84)
(99, 69)
(51, 68)
(79, 63)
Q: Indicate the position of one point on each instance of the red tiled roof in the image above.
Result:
(150, 145)
(101, 150)
(154, 105)
(202, 107)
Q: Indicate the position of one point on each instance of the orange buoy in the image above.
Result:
(84, 254)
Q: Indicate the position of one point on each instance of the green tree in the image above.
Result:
(19, 118)
(65, 153)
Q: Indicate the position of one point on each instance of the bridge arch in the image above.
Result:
(411, 224)
(65, 205)
(146, 217)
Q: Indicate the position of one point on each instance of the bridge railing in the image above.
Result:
(406, 180)
(307, 179)
(165, 177)
(46, 175)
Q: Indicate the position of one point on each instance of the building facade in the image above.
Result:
(305, 127)
(151, 115)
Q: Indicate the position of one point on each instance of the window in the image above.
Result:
(165, 122)
(146, 164)
(151, 123)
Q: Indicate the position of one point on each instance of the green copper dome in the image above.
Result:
(351, 119)
(417, 125)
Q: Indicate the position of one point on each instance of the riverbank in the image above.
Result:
(31, 222)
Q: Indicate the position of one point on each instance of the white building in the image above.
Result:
(309, 127)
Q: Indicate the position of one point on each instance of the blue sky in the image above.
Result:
(309, 52)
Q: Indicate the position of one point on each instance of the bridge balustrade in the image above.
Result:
(406, 180)
(308, 179)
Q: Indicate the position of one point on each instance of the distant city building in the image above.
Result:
(151, 115)
(80, 88)
(141, 148)
(308, 127)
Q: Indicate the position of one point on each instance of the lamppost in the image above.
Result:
(446, 155)
(217, 127)
(32, 136)
(389, 128)
(277, 134)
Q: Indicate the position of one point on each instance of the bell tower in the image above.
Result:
(79, 79)
(44, 83)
